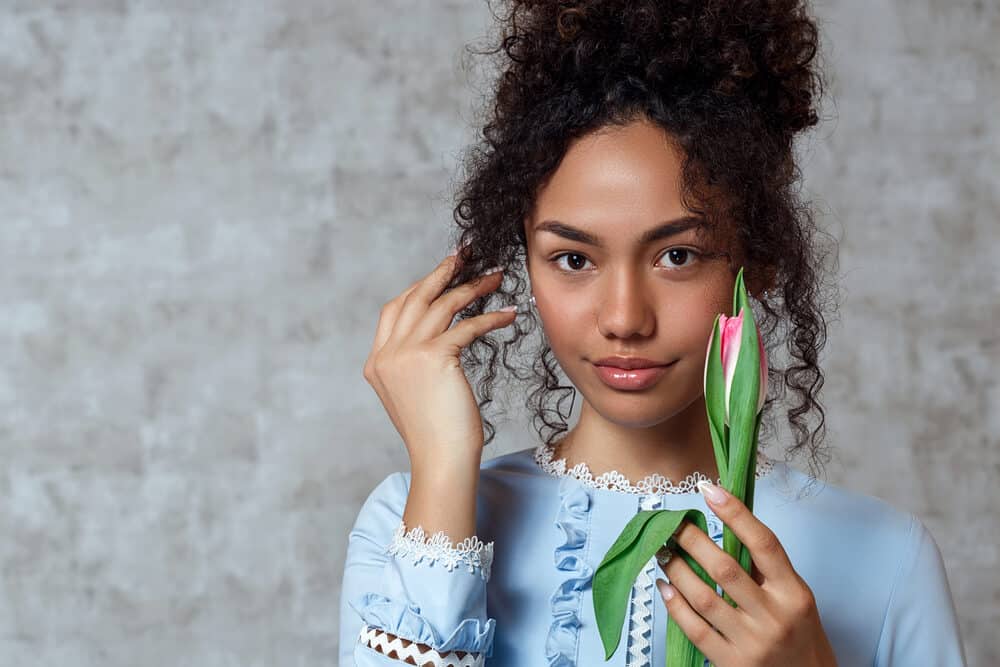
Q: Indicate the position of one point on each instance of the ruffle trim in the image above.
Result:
(415, 544)
(613, 480)
(573, 519)
(405, 621)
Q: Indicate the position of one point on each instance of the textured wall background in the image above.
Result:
(204, 206)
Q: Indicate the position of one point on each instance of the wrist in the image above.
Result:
(442, 497)
(448, 467)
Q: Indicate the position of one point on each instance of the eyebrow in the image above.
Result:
(663, 230)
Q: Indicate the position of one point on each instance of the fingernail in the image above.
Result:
(713, 493)
(463, 244)
(521, 307)
(492, 270)
(666, 590)
(507, 309)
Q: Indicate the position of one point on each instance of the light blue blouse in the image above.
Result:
(518, 593)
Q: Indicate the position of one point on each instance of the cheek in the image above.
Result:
(689, 321)
(564, 320)
(714, 296)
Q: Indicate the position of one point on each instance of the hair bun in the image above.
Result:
(760, 52)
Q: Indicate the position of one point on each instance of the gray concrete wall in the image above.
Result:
(204, 206)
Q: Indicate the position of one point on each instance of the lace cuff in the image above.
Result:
(386, 644)
(471, 552)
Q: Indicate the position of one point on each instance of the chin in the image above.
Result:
(638, 409)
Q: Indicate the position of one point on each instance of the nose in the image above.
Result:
(625, 308)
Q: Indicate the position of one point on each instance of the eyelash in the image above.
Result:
(691, 251)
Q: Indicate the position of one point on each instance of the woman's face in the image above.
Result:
(609, 279)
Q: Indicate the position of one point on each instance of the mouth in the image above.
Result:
(631, 379)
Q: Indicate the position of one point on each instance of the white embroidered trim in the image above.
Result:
(640, 632)
(615, 481)
(470, 551)
(379, 640)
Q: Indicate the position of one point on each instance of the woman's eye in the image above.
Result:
(575, 263)
(680, 255)
(680, 258)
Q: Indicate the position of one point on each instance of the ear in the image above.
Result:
(763, 279)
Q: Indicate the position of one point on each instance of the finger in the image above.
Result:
(390, 311)
(442, 311)
(415, 304)
(462, 334)
(386, 319)
(715, 647)
(765, 548)
(723, 568)
(704, 599)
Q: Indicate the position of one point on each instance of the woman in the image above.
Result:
(639, 154)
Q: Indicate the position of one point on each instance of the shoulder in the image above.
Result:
(832, 508)
(876, 570)
(520, 463)
(827, 529)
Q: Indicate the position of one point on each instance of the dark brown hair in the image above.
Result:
(731, 83)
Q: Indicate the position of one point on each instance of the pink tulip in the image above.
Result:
(732, 332)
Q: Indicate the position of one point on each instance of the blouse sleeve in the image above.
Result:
(400, 584)
(920, 625)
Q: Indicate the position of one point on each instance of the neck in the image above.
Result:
(674, 448)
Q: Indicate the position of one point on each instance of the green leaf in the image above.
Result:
(751, 481)
(739, 293)
(735, 546)
(630, 533)
(752, 465)
(613, 579)
(744, 421)
(681, 652)
(715, 401)
(743, 397)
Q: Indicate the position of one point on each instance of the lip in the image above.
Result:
(628, 363)
(631, 379)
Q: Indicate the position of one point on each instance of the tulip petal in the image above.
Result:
(732, 334)
(745, 393)
(715, 399)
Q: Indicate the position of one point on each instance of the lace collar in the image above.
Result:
(654, 484)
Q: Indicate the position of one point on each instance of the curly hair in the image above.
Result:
(731, 82)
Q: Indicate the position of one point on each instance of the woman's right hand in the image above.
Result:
(414, 366)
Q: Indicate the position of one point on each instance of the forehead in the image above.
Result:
(619, 177)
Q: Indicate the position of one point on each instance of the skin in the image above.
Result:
(628, 299)
(654, 300)
(776, 620)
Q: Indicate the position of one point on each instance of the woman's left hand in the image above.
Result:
(776, 621)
